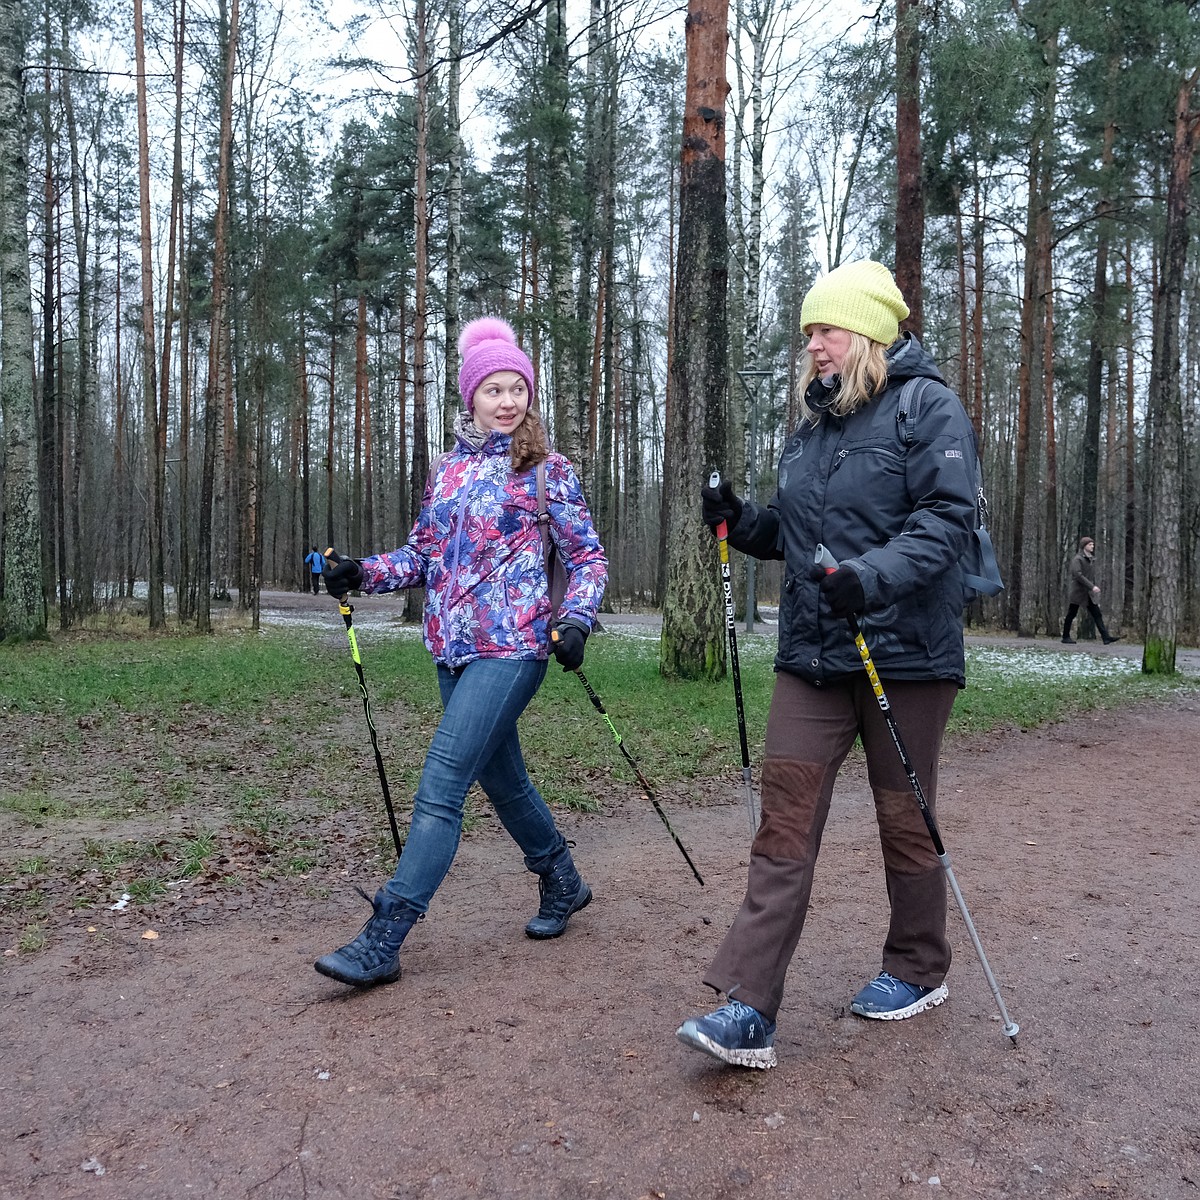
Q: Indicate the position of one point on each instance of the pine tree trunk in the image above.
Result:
(1050, 574)
(1099, 338)
(451, 402)
(187, 568)
(175, 224)
(1015, 570)
(414, 601)
(910, 192)
(567, 383)
(217, 387)
(693, 643)
(83, 542)
(48, 470)
(1166, 405)
(1129, 489)
(155, 467)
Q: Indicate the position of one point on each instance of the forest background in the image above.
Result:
(238, 240)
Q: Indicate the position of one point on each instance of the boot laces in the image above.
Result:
(555, 895)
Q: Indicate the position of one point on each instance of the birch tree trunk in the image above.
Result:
(23, 613)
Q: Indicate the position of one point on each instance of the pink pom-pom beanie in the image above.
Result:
(489, 345)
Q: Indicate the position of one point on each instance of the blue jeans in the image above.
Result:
(476, 740)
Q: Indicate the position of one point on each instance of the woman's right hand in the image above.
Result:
(343, 576)
(720, 504)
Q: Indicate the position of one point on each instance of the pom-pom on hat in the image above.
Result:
(859, 296)
(488, 345)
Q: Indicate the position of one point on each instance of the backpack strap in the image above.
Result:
(543, 518)
(435, 467)
(989, 583)
(908, 407)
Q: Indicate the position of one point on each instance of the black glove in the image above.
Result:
(341, 575)
(844, 591)
(566, 641)
(720, 504)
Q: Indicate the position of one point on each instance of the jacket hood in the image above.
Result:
(908, 359)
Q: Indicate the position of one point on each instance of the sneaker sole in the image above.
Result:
(760, 1060)
(541, 937)
(936, 997)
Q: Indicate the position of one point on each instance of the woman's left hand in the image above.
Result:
(566, 642)
(844, 592)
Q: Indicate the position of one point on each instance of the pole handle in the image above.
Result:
(721, 530)
(556, 637)
(332, 556)
(822, 558)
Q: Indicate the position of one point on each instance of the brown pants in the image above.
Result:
(810, 731)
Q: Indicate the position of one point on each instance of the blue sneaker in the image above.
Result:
(890, 999)
(736, 1034)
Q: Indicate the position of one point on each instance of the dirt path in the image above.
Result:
(215, 1062)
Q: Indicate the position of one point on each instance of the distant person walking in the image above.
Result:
(315, 562)
(1083, 590)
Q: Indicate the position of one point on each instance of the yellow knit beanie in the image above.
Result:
(860, 296)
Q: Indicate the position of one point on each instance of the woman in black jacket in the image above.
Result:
(893, 500)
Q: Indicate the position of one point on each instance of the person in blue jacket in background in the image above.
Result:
(897, 517)
(315, 562)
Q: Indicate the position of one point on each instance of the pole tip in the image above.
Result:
(1011, 1030)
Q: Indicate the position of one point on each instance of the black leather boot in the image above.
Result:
(374, 956)
(563, 893)
(1068, 640)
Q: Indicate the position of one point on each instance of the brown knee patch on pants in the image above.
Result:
(791, 793)
(907, 846)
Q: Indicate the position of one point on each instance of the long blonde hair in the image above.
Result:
(863, 377)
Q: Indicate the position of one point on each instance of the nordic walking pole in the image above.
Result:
(599, 707)
(347, 610)
(824, 559)
(722, 532)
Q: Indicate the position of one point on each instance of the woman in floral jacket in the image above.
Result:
(477, 548)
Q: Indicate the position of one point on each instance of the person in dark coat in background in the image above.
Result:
(897, 517)
(1082, 590)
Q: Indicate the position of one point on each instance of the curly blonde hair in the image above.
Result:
(530, 445)
(863, 377)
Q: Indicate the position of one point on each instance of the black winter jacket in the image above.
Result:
(900, 516)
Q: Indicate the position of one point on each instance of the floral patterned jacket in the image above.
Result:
(477, 549)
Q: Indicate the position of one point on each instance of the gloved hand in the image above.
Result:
(342, 575)
(566, 642)
(720, 504)
(844, 591)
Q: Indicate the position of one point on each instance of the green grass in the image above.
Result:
(284, 690)
(237, 674)
(33, 938)
(259, 742)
